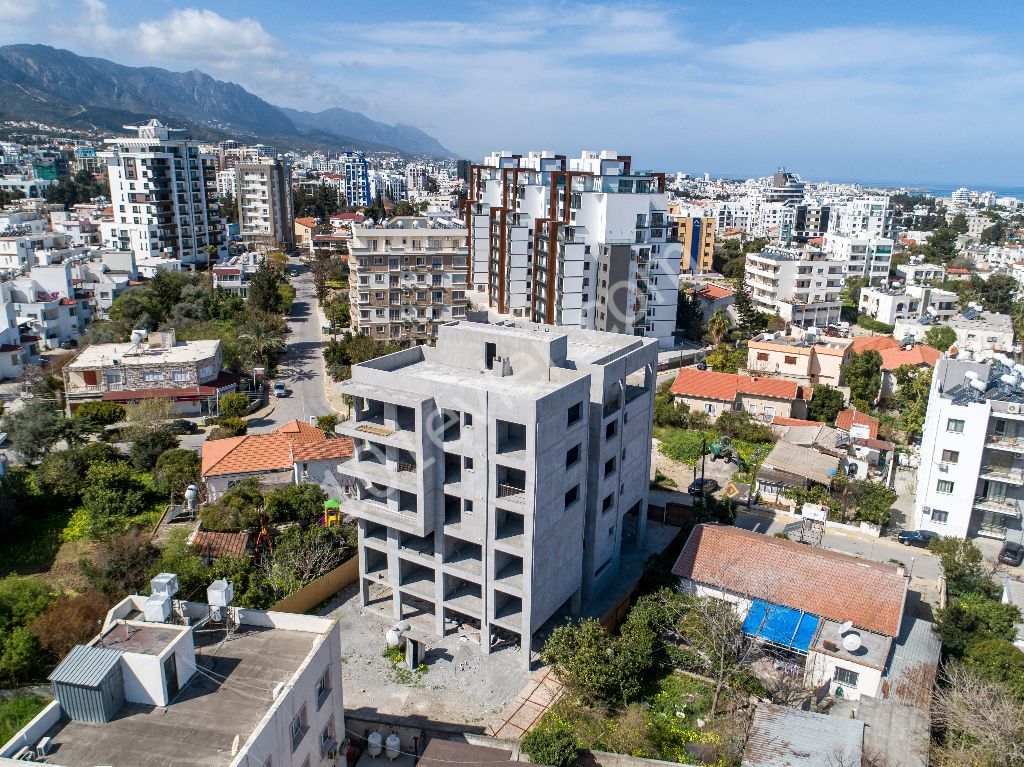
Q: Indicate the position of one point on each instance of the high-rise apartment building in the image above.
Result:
(971, 479)
(868, 257)
(809, 220)
(164, 196)
(576, 242)
(264, 197)
(695, 232)
(354, 184)
(499, 476)
(863, 217)
(407, 276)
(800, 286)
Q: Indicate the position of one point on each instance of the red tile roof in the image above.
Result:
(307, 221)
(69, 301)
(255, 453)
(781, 420)
(724, 387)
(825, 583)
(340, 447)
(848, 417)
(223, 381)
(215, 545)
(872, 343)
(11, 348)
(712, 291)
(957, 270)
(918, 356)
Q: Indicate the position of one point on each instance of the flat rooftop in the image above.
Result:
(486, 380)
(199, 725)
(103, 354)
(149, 639)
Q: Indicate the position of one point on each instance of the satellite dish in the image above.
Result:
(851, 642)
(844, 627)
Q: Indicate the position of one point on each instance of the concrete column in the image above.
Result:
(576, 603)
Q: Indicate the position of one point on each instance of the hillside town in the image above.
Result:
(314, 456)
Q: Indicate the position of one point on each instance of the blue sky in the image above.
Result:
(898, 91)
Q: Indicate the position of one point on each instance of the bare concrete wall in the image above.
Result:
(320, 590)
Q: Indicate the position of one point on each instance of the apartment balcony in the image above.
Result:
(1002, 474)
(1007, 507)
(512, 493)
(1009, 444)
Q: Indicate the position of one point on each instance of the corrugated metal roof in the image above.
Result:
(786, 737)
(86, 666)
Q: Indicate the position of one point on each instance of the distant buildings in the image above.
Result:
(581, 242)
(696, 235)
(499, 476)
(971, 479)
(407, 276)
(263, 193)
(164, 197)
(803, 287)
(862, 217)
(865, 257)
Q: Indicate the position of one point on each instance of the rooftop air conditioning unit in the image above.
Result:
(1013, 408)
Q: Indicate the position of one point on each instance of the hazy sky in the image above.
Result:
(897, 91)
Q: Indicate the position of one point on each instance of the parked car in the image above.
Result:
(707, 484)
(69, 343)
(1012, 554)
(182, 426)
(919, 538)
(280, 390)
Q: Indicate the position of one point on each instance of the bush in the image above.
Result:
(63, 472)
(18, 711)
(93, 416)
(234, 405)
(687, 446)
(119, 566)
(302, 503)
(972, 618)
(114, 494)
(327, 423)
(874, 325)
(69, 621)
(554, 745)
(238, 509)
(77, 527)
(1000, 661)
(229, 427)
(739, 425)
(175, 470)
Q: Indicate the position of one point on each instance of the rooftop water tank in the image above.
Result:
(220, 593)
(375, 743)
(164, 584)
(393, 746)
(157, 608)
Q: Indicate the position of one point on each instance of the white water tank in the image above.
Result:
(851, 642)
(220, 593)
(393, 746)
(165, 585)
(157, 609)
(392, 638)
(375, 743)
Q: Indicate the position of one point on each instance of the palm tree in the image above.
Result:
(718, 326)
(261, 336)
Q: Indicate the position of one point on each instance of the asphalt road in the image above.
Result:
(301, 367)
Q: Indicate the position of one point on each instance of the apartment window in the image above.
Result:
(789, 360)
(950, 456)
(298, 728)
(611, 430)
(323, 687)
(944, 486)
(572, 456)
(467, 506)
(572, 495)
(955, 425)
(606, 504)
(762, 356)
(845, 676)
(709, 408)
(179, 376)
(769, 411)
(609, 466)
(467, 463)
(575, 413)
(154, 376)
(467, 419)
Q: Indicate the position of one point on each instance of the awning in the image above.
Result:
(781, 626)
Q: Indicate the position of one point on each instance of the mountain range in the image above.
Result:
(58, 87)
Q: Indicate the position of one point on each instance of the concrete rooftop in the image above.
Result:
(103, 354)
(199, 725)
(146, 640)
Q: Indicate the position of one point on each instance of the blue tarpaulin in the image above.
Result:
(782, 626)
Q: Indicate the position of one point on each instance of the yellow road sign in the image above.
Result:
(731, 491)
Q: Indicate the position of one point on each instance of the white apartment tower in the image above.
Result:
(801, 286)
(971, 479)
(164, 196)
(499, 476)
(575, 242)
(264, 197)
(408, 275)
(868, 257)
(863, 217)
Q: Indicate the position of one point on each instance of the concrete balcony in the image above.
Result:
(1007, 507)
(1002, 442)
(1002, 474)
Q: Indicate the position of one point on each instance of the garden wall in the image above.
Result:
(320, 590)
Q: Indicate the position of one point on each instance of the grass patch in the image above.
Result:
(396, 657)
(16, 712)
(32, 548)
(661, 482)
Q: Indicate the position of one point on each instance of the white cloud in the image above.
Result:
(17, 11)
(205, 36)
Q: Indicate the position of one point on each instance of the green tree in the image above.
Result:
(229, 207)
(240, 508)
(340, 354)
(146, 446)
(302, 503)
(826, 402)
(911, 398)
(972, 618)
(22, 598)
(995, 234)
(113, 495)
(940, 337)
(338, 313)
(941, 246)
(1000, 661)
(33, 430)
(327, 423)
(555, 746)
(851, 290)
(718, 326)
(63, 472)
(81, 187)
(263, 295)
(689, 315)
(963, 567)
(94, 415)
(997, 292)
(872, 500)
(581, 656)
(234, 405)
(863, 374)
(175, 470)
(959, 223)
(261, 337)
(749, 320)
(727, 358)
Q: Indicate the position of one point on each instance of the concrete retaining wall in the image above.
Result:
(320, 590)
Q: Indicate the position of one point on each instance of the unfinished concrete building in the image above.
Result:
(499, 476)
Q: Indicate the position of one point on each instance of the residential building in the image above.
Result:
(895, 354)
(717, 393)
(810, 221)
(305, 227)
(803, 287)
(810, 359)
(696, 235)
(971, 481)
(14, 354)
(863, 217)
(499, 476)
(174, 682)
(837, 616)
(282, 457)
(164, 196)
(576, 242)
(354, 181)
(796, 738)
(920, 274)
(233, 276)
(978, 332)
(263, 191)
(227, 183)
(48, 313)
(154, 365)
(866, 257)
(408, 276)
(712, 297)
(20, 249)
(891, 304)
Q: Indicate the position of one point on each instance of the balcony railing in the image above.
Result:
(1002, 474)
(511, 492)
(1008, 507)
